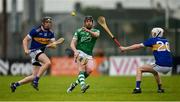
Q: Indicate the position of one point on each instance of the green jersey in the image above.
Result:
(85, 41)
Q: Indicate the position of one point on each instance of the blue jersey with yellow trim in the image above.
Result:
(161, 50)
(40, 38)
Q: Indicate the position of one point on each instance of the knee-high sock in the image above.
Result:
(81, 78)
(85, 76)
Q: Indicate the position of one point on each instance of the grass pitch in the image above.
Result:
(102, 88)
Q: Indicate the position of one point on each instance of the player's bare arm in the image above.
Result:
(132, 47)
(94, 34)
(73, 47)
(26, 41)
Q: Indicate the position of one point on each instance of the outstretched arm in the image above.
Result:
(132, 47)
(94, 34)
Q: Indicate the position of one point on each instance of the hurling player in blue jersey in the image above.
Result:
(37, 38)
(162, 55)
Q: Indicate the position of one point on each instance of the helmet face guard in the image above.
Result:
(47, 22)
(157, 32)
(88, 18)
(44, 19)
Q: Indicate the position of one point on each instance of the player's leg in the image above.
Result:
(25, 80)
(158, 81)
(45, 65)
(159, 69)
(88, 70)
(147, 68)
(31, 77)
(81, 77)
(139, 71)
(90, 67)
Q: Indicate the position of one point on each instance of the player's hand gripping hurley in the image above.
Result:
(101, 20)
(59, 41)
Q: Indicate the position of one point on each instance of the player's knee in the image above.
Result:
(138, 69)
(32, 77)
(48, 63)
(89, 70)
(155, 73)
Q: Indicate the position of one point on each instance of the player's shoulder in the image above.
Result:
(157, 39)
(160, 39)
(163, 39)
(79, 30)
(36, 29)
(151, 39)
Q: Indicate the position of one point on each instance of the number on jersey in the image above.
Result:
(163, 46)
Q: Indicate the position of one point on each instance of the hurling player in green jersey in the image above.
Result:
(82, 44)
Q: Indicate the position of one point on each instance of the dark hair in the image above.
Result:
(166, 31)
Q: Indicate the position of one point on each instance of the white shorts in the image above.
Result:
(82, 54)
(161, 69)
(90, 64)
(34, 57)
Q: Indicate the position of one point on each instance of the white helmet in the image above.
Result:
(157, 32)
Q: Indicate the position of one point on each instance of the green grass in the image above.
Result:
(102, 88)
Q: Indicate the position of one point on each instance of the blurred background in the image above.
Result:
(129, 20)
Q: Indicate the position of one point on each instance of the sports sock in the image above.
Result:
(81, 78)
(159, 86)
(138, 83)
(78, 81)
(36, 79)
(86, 74)
(17, 84)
